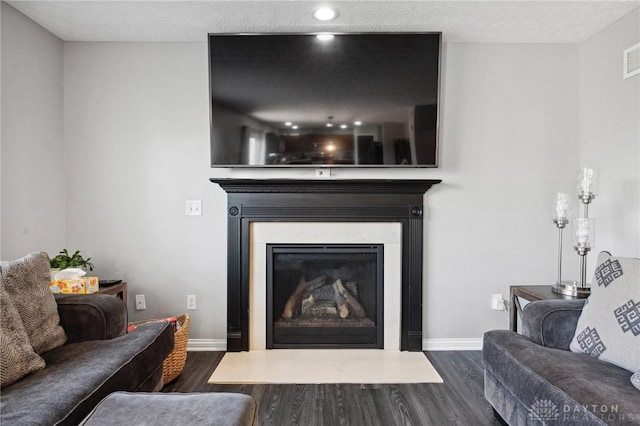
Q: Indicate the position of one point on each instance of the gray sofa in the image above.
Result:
(534, 379)
(99, 358)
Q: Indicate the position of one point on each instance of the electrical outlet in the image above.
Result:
(194, 208)
(140, 302)
(191, 301)
(497, 302)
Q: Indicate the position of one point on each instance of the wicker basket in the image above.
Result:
(174, 363)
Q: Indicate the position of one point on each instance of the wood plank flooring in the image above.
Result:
(457, 401)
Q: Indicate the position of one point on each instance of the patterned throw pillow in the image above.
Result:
(635, 380)
(17, 358)
(609, 326)
(27, 282)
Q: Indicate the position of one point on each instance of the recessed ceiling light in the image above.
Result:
(288, 123)
(343, 126)
(294, 127)
(357, 123)
(325, 13)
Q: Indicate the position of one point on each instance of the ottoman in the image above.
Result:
(138, 408)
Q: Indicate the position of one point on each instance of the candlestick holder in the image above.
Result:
(561, 223)
(583, 250)
(561, 220)
(583, 232)
(584, 238)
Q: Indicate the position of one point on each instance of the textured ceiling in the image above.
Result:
(513, 21)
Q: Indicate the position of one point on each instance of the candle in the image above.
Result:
(562, 205)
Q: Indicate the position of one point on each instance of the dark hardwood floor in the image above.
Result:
(457, 401)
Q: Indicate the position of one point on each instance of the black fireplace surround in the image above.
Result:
(296, 200)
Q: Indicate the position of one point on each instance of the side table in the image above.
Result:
(119, 290)
(530, 293)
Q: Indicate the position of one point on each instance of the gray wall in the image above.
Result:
(513, 132)
(33, 162)
(610, 136)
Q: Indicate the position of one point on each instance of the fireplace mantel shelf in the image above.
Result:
(320, 200)
(343, 186)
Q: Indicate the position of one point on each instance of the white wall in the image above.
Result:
(610, 137)
(32, 170)
(508, 143)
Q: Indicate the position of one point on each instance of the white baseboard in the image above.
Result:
(208, 345)
(465, 344)
(427, 344)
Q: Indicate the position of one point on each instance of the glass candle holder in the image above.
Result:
(561, 209)
(587, 184)
(584, 233)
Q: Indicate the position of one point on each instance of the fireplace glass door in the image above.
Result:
(324, 296)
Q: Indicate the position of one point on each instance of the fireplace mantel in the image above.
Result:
(331, 200)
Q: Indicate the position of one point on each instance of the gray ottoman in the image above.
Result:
(137, 408)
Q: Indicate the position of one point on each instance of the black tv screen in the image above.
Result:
(304, 100)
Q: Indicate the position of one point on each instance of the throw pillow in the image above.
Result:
(635, 380)
(27, 282)
(17, 358)
(609, 326)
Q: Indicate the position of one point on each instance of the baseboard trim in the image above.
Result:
(206, 345)
(465, 344)
(195, 345)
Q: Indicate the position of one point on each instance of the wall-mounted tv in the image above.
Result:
(312, 100)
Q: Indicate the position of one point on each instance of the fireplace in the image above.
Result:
(324, 296)
(254, 201)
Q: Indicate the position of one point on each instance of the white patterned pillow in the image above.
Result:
(27, 282)
(609, 326)
(635, 380)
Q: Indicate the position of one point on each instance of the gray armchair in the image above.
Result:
(534, 378)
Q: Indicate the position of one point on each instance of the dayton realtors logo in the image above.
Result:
(543, 411)
(546, 412)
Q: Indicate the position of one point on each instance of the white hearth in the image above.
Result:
(387, 233)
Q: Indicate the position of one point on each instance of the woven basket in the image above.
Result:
(174, 363)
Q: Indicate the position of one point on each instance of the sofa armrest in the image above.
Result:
(91, 316)
(552, 323)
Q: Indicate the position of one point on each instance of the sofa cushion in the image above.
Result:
(79, 375)
(609, 326)
(27, 282)
(17, 358)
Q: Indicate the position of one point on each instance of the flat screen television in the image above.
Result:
(309, 100)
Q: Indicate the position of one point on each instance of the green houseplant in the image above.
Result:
(64, 260)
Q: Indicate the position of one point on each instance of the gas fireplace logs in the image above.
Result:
(316, 299)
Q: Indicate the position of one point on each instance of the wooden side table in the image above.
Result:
(119, 290)
(530, 293)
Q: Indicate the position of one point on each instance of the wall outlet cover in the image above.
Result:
(140, 302)
(194, 208)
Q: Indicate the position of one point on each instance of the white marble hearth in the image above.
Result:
(387, 233)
